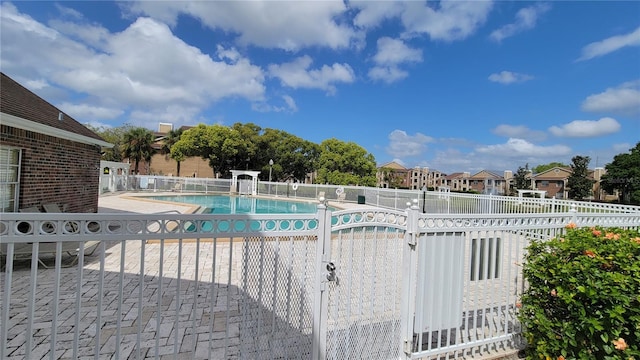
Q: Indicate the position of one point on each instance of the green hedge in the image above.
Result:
(583, 295)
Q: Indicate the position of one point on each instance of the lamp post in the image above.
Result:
(270, 169)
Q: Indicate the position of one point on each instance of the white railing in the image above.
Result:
(432, 202)
(385, 283)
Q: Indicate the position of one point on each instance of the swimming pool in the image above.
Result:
(224, 204)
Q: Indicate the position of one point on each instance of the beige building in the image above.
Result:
(424, 178)
(458, 181)
(491, 182)
(393, 175)
(162, 164)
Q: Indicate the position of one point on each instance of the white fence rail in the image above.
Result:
(377, 283)
(431, 202)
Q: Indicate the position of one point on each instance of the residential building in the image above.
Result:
(491, 182)
(393, 175)
(553, 181)
(46, 156)
(424, 178)
(162, 163)
(458, 181)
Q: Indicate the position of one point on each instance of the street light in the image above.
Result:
(270, 168)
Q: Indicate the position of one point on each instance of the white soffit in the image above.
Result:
(24, 124)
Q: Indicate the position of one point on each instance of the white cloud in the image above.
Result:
(623, 99)
(269, 24)
(296, 74)
(522, 148)
(621, 147)
(394, 51)
(508, 77)
(372, 13)
(143, 67)
(586, 128)
(609, 45)
(387, 74)
(288, 107)
(519, 131)
(87, 112)
(526, 19)
(391, 53)
(402, 144)
(447, 21)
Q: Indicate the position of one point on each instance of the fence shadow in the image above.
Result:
(257, 307)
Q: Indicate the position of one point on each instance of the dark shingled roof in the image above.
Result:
(18, 101)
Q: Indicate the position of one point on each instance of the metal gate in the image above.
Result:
(362, 270)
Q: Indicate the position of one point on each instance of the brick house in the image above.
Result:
(553, 181)
(491, 182)
(45, 155)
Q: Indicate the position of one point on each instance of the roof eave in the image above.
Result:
(25, 124)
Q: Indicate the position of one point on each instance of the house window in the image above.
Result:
(9, 178)
(544, 183)
(485, 258)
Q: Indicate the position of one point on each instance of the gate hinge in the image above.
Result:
(407, 347)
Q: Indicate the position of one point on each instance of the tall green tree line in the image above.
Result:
(248, 146)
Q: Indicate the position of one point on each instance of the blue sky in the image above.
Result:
(455, 86)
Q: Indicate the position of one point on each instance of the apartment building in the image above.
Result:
(424, 178)
(491, 182)
(393, 175)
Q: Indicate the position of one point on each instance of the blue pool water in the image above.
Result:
(222, 204)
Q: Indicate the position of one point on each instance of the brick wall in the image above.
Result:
(55, 170)
(163, 165)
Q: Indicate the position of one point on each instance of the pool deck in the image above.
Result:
(117, 203)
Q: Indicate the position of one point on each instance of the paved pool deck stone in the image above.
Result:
(127, 203)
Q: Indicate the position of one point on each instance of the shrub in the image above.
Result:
(583, 295)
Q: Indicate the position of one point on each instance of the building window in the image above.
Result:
(485, 258)
(544, 183)
(9, 178)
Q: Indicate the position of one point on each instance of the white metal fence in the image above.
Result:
(367, 283)
(432, 202)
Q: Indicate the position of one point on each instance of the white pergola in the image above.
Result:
(254, 180)
(537, 192)
(113, 175)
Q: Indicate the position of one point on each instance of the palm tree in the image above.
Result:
(170, 139)
(137, 145)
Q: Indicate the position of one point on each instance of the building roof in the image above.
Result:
(18, 101)
(487, 174)
(556, 173)
(393, 165)
(456, 175)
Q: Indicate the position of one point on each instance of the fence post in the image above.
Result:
(320, 295)
(574, 214)
(408, 295)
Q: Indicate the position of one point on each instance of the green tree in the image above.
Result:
(391, 178)
(137, 145)
(544, 167)
(293, 157)
(247, 156)
(623, 174)
(172, 137)
(522, 178)
(113, 135)
(580, 186)
(218, 144)
(345, 163)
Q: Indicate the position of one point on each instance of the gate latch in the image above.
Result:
(331, 271)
